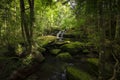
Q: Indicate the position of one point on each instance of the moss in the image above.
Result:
(76, 74)
(41, 49)
(64, 56)
(44, 40)
(37, 56)
(73, 47)
(85, 51)
(93, 61)
(27, 60)
(55, 51)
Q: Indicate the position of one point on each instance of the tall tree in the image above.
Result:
(27, 23)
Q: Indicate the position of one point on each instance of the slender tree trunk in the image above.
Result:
(22, 7)
(25, 27)
(102, 40)
(116, 51)
(27, 24)
(116, 37)
(113, 26)
(0, 34)
(32, 19)
(117, 34)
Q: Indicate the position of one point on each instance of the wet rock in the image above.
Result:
(75, 74)
(55, 51)
(93, 61)
(37, 56)
(73, 47)
(64, 56)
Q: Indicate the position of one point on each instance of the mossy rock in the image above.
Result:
(44, 40)
(74, 73)
(55, 51)
(74, 34)
(37, 56)
(86, 51)
(64, 56)
(41, 49)
(73, 47)
(62, 42)
(93, 61)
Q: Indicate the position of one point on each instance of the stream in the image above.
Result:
(51, 69)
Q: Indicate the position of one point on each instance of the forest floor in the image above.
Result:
(77, 62)
(64, 60)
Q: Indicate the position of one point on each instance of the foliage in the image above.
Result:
(76, 74)
(9, 22)
(96, 22)
(55, 16)
(27, 60)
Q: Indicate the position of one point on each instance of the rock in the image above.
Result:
(41, 49)
(37, 56)
(73, 47)
(74, 73)
(55, 51)
(64, 56)
(86, 51)
(45, 40)
(94, 61)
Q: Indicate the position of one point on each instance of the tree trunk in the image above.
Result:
(116, 51)
(102, 40)
(32, 19)
(117, 34)
(27, 28)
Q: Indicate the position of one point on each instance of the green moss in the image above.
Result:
(73, 47)
(41, 49)
(64, 56)
(37, 56)
(85, 51)
(76, 74)
(55, 51)
(93, 61)
(44, 40)
(27, 60)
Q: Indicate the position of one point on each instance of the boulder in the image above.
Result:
(55, 51)
(64, 56)
(73, 47)
(45, 40)
(37, 56)
(74, 73)
(94, 61)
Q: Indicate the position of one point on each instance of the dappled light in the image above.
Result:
(60, 40)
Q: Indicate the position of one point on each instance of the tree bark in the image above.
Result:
(102, 40)
(32, 19)
(27, 24)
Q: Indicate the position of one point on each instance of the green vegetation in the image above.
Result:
(93, 61)
(76, 74)
(55, 51)
(64, 56)
(44, 40)
(29, 39)
(73, 47)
